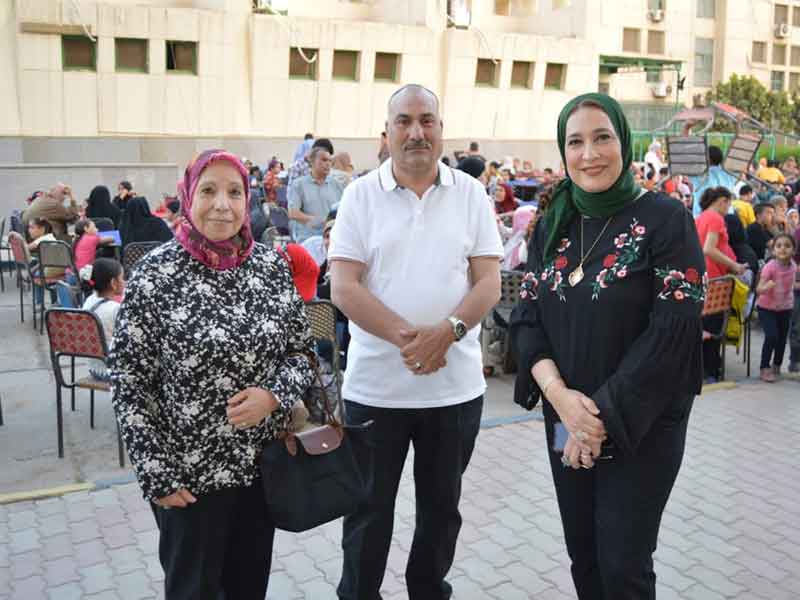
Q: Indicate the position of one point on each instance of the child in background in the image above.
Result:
(775, 303)
(107, 280)
(40, 231)
(84, 251)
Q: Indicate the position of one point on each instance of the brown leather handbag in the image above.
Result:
(315, 476)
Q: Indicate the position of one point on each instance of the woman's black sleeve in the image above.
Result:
(528, 339)
(664, 364)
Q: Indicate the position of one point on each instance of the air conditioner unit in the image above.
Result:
(782, 30)
(661, 90)
(656, 15)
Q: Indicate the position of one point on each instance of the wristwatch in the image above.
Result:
(459, 327)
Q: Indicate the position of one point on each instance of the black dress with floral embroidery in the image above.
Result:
(187, 338)
(629, 335)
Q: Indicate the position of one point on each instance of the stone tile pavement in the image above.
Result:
(730, 531)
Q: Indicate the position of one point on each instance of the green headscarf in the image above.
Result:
(570, 200)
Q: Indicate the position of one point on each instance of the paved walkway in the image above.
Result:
(730, 530)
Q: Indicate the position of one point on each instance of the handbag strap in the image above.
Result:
(326, 401)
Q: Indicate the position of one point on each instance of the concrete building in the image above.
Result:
(117, 84)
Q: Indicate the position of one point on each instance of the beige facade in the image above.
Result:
(502, 74)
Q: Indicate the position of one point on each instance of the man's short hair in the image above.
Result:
(714, 156)
(416, 87)
(473, 147)
(126, 184)
(745, 189)
(308, 136)
(315, 151)
(761, 207)
(323, 143)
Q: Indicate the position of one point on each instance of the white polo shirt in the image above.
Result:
(416, 253)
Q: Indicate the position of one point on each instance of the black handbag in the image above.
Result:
(315, 476)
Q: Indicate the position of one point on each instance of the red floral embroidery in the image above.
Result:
(692, 276)
(561, 262)
(609, 261)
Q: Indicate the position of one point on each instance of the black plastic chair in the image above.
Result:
(133, 252)
(54, 255)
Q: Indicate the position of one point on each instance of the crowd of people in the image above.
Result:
(211, 349)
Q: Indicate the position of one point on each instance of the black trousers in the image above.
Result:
(611, 513)
(775, 324)
(712, 358)
(218, 548)
(443, 439)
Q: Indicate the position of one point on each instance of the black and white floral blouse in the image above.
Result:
(629, 334)
(187, 338)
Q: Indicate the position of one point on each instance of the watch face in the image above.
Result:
(461, 330)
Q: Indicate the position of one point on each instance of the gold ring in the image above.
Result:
(418, 366)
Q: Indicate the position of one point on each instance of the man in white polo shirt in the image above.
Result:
(415, 264)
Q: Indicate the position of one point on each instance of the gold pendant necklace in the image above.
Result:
(577, 275)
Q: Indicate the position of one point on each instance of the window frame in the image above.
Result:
(697, 81)
(495, 73)
(772, 81)
(118, 69)
(638, 31)
(65, 67)
(775, 49)
(706, 9)
(395, 68)
(195, 61)
(356, 64)
(663, 36)
(763, 55)
(563, 80)
(312, 66)
(775, 8)
(528, 85)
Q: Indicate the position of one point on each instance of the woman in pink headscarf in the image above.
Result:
(209, 356)
(515, 249)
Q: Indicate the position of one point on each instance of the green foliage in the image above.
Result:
(781, 152)
(776, 110)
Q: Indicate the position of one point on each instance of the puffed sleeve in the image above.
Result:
(293, 374)
(529, 341)
(663, 367)
(134, 371)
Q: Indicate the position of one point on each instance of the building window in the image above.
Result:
(131, 55)
(502, 7)
(78, 53)
(656, 4)
(794, 82)
(486, 72)
(631, 40)
(299, 67)
(779, 54)
(760, 52)
(604, 87)
(555, 76)
(795, 56)
(522, 74)
(706, 9)
(182, 57)
(345, 65)
(781, 14)
(655, 42)
(653, 76)
(776, 81)
(796, 16)
(387, 66)
(703, 62)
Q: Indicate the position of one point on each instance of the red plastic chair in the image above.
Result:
(77, 333)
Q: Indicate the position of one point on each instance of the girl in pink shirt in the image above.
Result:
(775, 303)
(86, 244)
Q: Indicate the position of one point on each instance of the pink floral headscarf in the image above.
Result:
(226, 254)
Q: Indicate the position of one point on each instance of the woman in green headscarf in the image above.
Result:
(608, 331)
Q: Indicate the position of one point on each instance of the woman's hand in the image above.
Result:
(180, 499)
(579, 415)
(578, 455)
(739, 268)
(250, 407)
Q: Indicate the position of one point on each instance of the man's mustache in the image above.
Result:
(418, 146)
